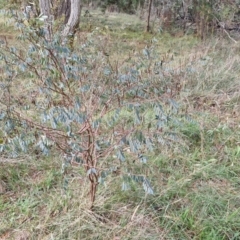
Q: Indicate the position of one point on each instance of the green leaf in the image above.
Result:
(149, 144)
(147, 187)
(125, 186)
(77, 103)
(120, 155)
(137, 119)
(134, 146)
(142, 158)
(91, 171)
(174, 104)
(146, 52)
(2, 115)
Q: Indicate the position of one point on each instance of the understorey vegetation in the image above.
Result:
(120, 134)
(105, 116)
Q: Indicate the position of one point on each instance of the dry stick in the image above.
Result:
(149, 15)
(229, 36)
(223, 27)
(134, 213)
(89, 158)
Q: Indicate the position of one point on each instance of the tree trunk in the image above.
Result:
(64, 8)
(45, 7)
(74, 19)
(71, 9)
(46, 11)
(149, 15)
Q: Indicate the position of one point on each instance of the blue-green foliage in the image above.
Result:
(77, 103)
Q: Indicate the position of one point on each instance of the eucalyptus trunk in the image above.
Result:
(64, 8)
(74, 19)
(46, 11)
(71, 10)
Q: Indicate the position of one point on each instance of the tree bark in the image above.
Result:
(64, 8)
(149, 15)
(71, 9)
(46, 11)
(74, 19)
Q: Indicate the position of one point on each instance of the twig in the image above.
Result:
(223, 27)
(229, 36)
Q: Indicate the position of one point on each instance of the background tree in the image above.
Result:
(45, 10)
(63, 9)
(196, 16)
(149, 15)
(71, 10)
(73, 20)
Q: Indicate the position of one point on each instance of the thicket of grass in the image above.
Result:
(196, 190)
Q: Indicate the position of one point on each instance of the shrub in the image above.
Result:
(96, 113)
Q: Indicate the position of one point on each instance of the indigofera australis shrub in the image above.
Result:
(84, 107)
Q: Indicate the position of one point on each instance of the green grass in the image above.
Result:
(3, 4)
(196, 186)
(195, 197)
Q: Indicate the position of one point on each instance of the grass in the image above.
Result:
(196, 187)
